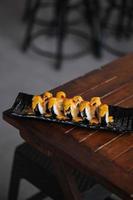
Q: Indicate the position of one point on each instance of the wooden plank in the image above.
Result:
(127, 102)
(119, 94)
(125, 160)
(121, 64)
(106, 88)
(116, 147)
(100, 139)
(96, 140)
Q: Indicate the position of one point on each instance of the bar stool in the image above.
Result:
(60, 27)
(38, 169)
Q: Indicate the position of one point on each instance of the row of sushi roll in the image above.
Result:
(75, 109)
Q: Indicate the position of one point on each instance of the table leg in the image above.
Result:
(66, 180)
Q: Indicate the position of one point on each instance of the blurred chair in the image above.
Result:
(36, 168)
(59, 26)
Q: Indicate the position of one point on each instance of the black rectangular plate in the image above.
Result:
(123, 117)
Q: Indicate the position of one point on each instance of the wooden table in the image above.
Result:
(105, 155)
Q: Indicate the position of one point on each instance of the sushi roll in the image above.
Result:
(95, 102)
(52, 107)
(103, 114)
(60, 96)
(71, 110)
(37, 105)
(46, 96)
(85, 110)
(55, 105)
(77, 100)
(67, 104)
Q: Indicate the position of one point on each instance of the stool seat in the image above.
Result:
(38, 169)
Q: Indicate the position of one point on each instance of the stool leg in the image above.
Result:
(108, 13)
(92, 10)
(27, 10)
(28, 36)
(96, 29)
(121, 19)
(128, 32)
(14, 182)
(61, 21)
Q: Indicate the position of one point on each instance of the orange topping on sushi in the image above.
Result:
(36, 100)
(83, 105)
(77, 99)
(95, 101)
(61, 95)
(67, 104)
(111, 119)
(47, 95)
(103, 109)
(52, 102)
